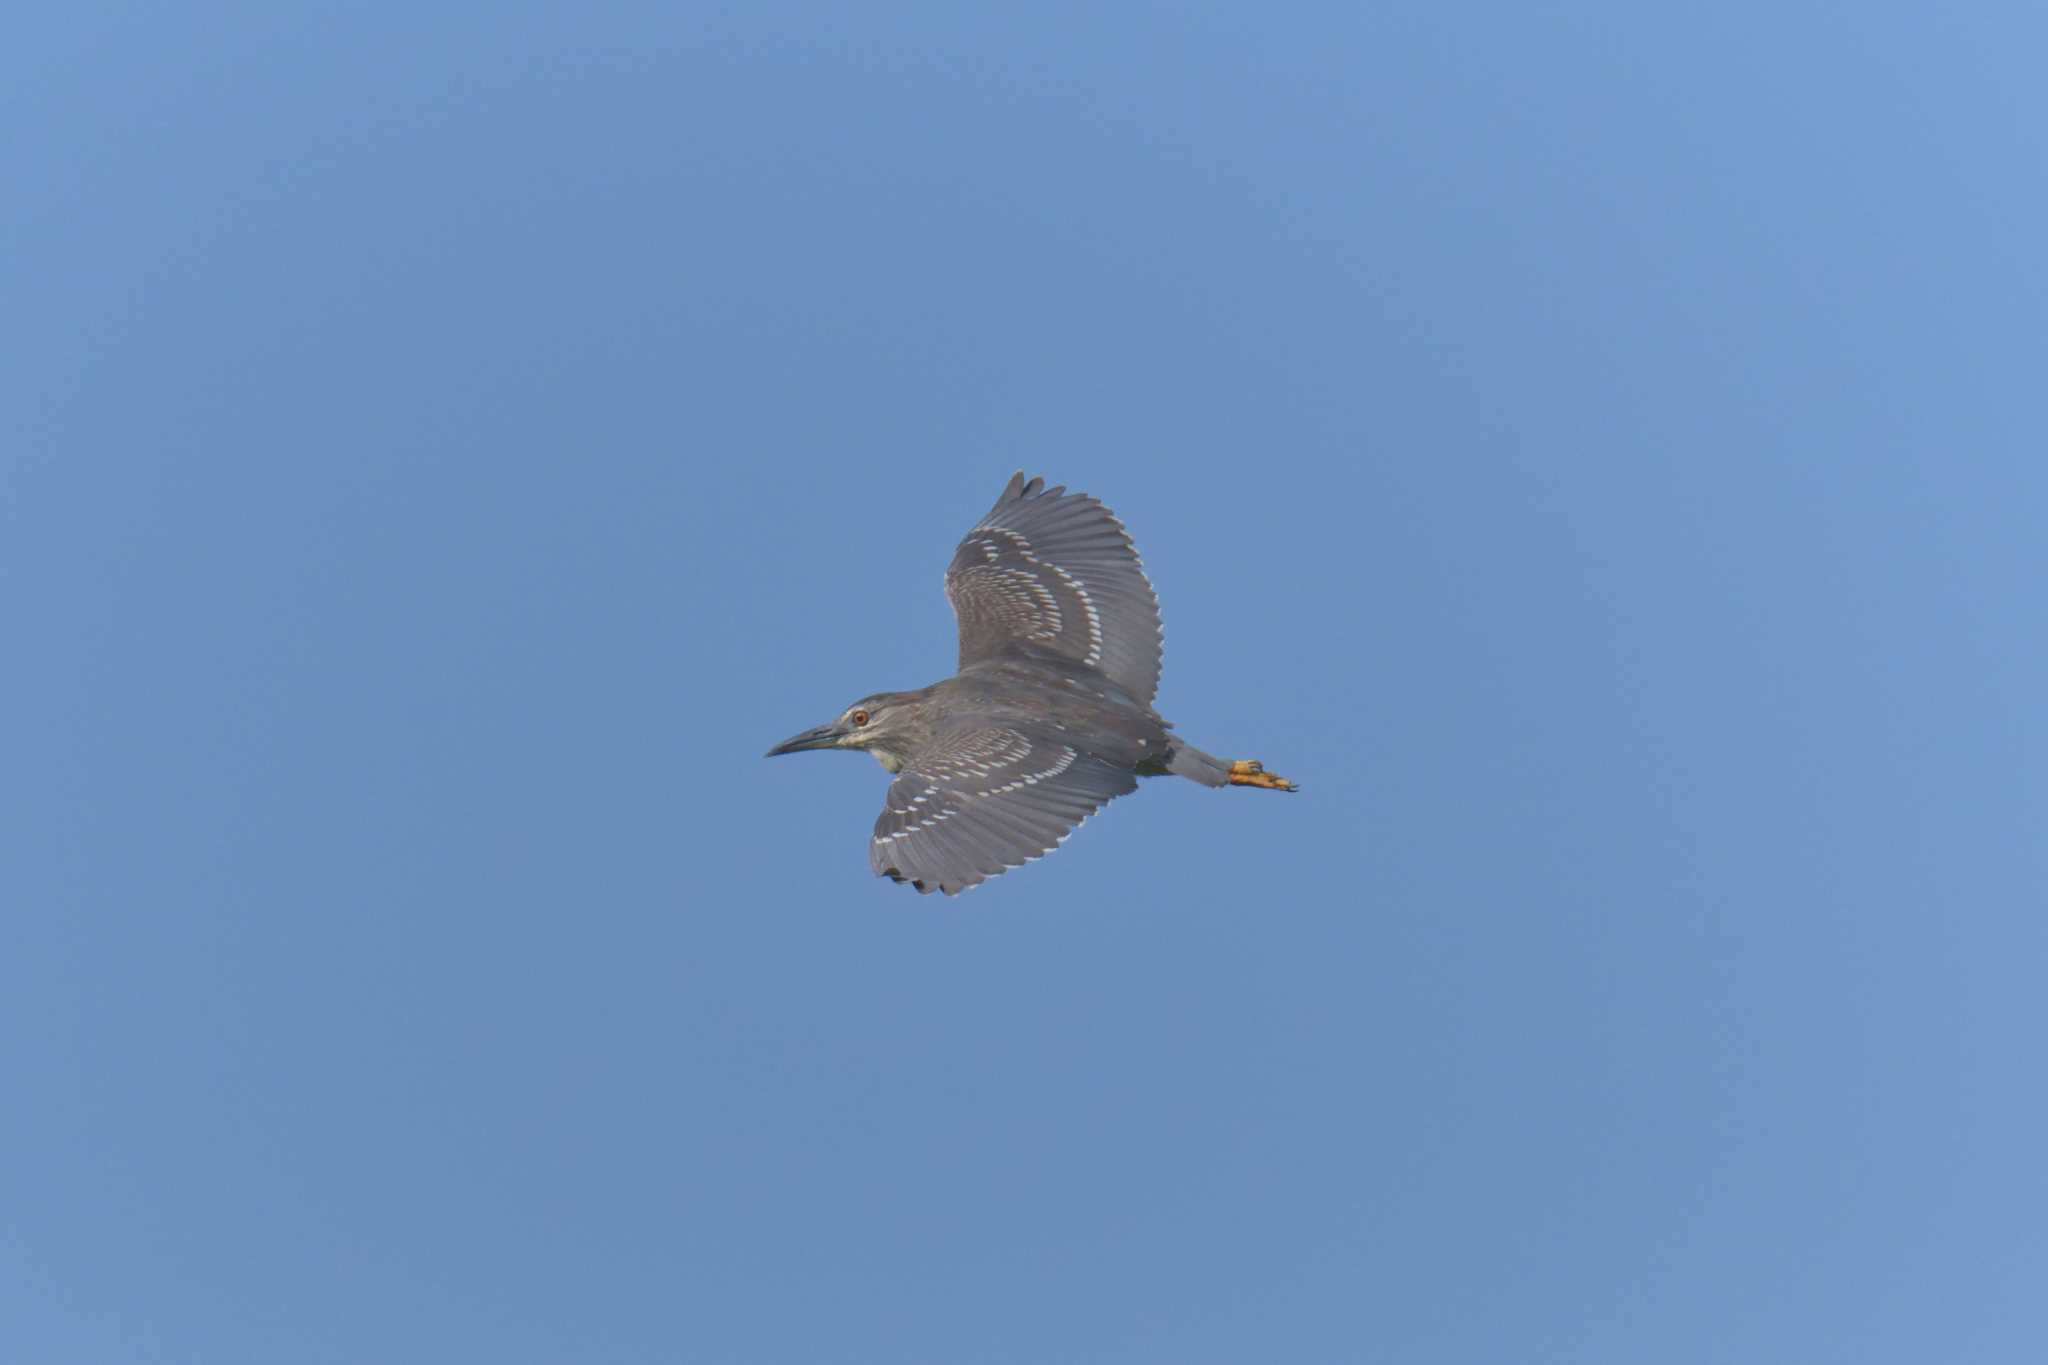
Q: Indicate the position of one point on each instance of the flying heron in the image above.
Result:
(1050, 715)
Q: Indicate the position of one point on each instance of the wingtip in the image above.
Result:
(1024, 485)
(917, 884)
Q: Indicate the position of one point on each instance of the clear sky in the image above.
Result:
(1599, 453)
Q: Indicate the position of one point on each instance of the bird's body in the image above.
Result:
(1050, 715)
(1052, 695)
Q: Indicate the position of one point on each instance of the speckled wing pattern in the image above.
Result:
(1056, 569)
(983, 799)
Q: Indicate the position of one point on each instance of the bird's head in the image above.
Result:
(888, 725)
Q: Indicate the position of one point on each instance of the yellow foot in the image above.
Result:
(1246, 772)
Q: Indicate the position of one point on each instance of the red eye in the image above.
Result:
(860, 718)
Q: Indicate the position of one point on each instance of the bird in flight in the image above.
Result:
(1050, 715)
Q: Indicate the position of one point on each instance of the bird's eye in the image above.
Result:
(860, 718)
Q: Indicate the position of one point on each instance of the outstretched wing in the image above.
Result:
(985, 799)
(1056, 570)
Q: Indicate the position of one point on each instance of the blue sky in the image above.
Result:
(1598, 452)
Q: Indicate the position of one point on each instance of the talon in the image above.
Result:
(1246, 772)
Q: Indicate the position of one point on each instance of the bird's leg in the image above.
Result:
(1249, 772)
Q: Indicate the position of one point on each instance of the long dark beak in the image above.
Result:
(824, 737)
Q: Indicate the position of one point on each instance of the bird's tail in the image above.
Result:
(1189, 762)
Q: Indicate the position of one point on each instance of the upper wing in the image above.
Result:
(1057, 570)
(982, 800)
